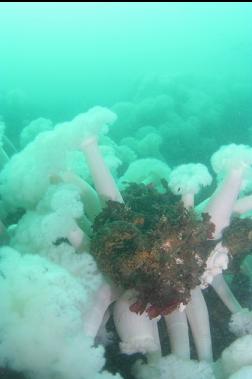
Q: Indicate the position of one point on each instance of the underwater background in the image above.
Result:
(177, 75)
(186, 64)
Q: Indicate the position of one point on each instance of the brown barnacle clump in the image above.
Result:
(237, 237)
(154, 245)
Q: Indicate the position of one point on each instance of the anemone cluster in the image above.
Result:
(134, 254)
